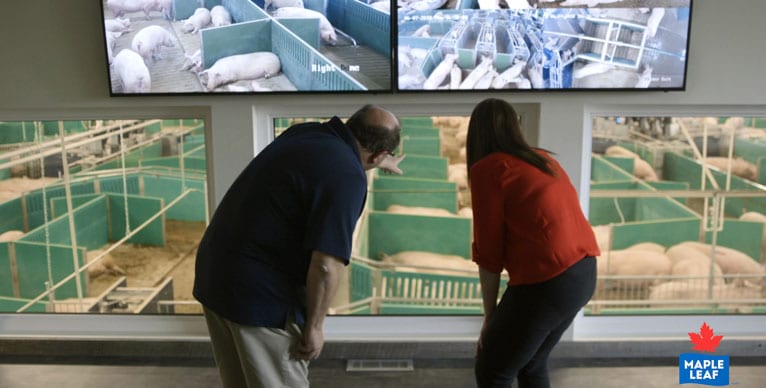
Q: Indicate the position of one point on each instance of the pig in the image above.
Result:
(647, 246)
(149, 40)
(121, 7)
(326, 30)
(219, 16)
(455, 76)
(641, 168)
(260, 64)
(634, 263)
(587, 3)
(103, 264)
(419, 211)
(654, 21)
(508, 75)
(166, 7)
(645, 79)
(475, 75)
(429, 262)
(739, 167)
(486, 80)
(440, 72)
(465, 212)
(683, 291)
(684, 251)
(132, 72)
(590, 69)
(733, 262)
(757, 217)
(111, 42)
(276, 4)
(423, 31)
(121, 25)
(198, 20)
(458, 173)
(603, 236)
(422, 5)
(382, 6)
(535, 74)
(698, 269)
(193, 62)
(11, 235)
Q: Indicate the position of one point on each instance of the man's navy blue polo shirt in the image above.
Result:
(303, 192)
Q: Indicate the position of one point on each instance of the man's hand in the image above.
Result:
(390, 164)
(311, 344)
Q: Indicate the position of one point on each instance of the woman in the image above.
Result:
(528, 221)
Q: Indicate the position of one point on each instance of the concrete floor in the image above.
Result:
(334, 375)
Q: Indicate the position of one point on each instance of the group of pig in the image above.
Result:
(688, 270)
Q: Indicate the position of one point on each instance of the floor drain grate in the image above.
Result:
(379, 366)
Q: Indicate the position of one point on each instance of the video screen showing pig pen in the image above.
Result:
(101, 216)
(662, 251)
(244, 46)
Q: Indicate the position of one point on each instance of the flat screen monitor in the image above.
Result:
(543, 45)
(171, 47)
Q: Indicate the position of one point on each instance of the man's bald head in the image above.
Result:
(375, 128)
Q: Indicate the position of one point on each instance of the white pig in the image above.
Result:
(275, 4)
(508, 75)
(648, 246)
(104, 264)
(455, 76)
(700, 270)
(121, 25)
(111, 42)
(219, 16)
(475, 75)
(240, 67)
(430, 262)
(326, 30)
(587, 3)
(645, 79)
(632, 263)
(592, 68)
(440, 72)
(200, 19)
(193, 62)
(757, 217)
(121, 7)
(654, 21)
(149, 40)
(383, 6)
(696, 291)
(733, 262)
(419, 211)
(486, 80)
(132, 72)
(11, 235)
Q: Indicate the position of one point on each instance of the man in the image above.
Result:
(271, 258)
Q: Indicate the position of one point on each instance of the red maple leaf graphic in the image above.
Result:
(705, 341)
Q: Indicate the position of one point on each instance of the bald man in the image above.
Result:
(271, 259)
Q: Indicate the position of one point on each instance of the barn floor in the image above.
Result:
(109, 376)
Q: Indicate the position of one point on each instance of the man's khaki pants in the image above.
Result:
(256, 357)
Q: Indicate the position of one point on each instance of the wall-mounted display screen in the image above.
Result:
(247, 46)
(544, 45)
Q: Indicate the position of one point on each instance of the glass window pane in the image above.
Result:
(122, 203)
(678, 204)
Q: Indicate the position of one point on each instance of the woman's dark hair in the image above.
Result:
(370, 131)
(495, 127)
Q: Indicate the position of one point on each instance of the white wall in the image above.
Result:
(53, 65)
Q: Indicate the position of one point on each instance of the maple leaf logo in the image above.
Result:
(705, 341)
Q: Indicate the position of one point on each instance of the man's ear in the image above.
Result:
(378, 157)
